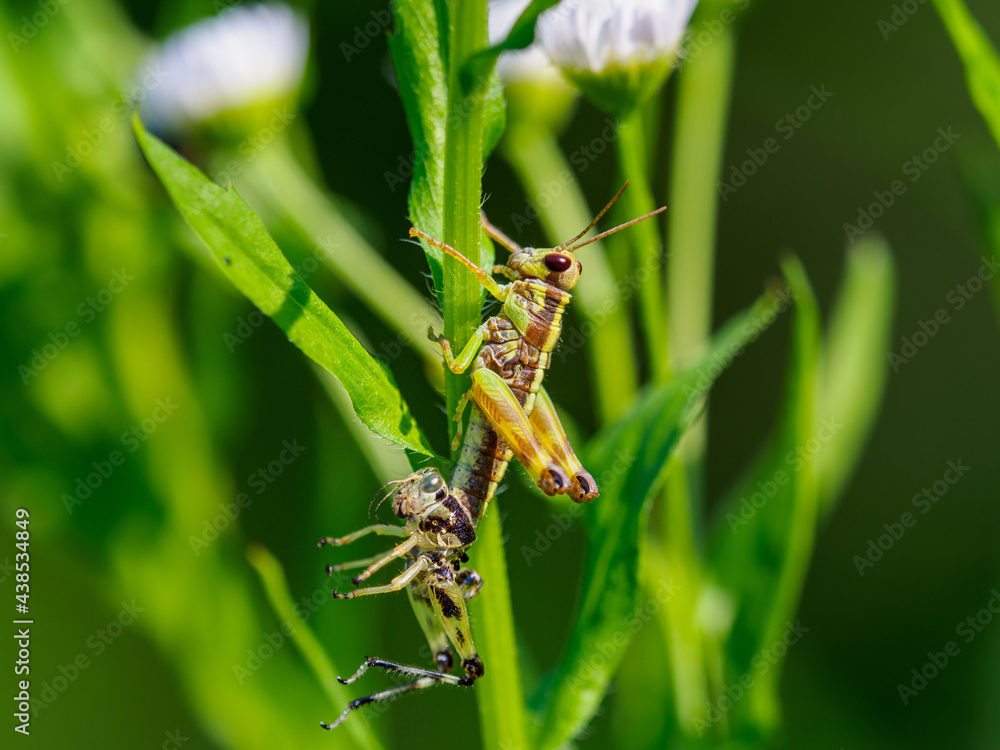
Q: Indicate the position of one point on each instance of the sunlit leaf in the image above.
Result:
(979, 56)
(254, 263)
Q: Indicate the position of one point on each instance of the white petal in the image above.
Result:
(248, 53)
(593, 35)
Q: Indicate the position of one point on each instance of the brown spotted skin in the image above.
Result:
(521, 359)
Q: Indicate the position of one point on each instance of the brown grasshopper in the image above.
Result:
(514, 416)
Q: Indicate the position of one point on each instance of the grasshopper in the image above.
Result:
(513, 417)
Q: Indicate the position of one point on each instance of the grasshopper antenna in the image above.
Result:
(381, 490)
(618, 228)
(596, 218)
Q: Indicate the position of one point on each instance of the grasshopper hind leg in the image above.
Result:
(384, 695)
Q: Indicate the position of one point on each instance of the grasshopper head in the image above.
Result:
(556, 265)
(418, 493)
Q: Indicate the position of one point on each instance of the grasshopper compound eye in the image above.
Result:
(432, 484)
(557, 262)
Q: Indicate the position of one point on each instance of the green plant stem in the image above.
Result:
(463, 161)
(538, 161)
(500, 695)
(645, 239)
(276, 587)
(678, 556)
(702, 112)
(279, 177)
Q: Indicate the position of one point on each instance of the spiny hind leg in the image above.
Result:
(391, 666)
(545, 422)
(384, 695)
(501, 408)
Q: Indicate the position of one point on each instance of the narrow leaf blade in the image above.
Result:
(982, 64)
(853, 366)
(759, 565)
(272, 576)
(629, 460)
(423, 87)
(253, 262)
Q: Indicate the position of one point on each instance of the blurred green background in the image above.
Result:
(165, 336)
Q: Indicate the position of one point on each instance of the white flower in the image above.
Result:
(247, 55)
(528, 64)
(594, 35)
(617, 51)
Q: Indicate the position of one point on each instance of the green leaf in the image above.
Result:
(981, 173)
(276, 587)
(628, 459)
(253, 262)
(480, 66)
(982, 65)
(853, 367)
(759, 564)
(422, 78)
(419, 58)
